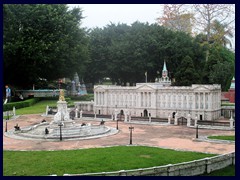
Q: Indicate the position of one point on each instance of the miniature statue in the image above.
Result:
(61, 95)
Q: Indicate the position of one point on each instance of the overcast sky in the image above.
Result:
(100, 15)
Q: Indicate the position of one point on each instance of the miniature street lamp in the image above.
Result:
(131, 129)
(117, 124)
(60, 126)
(197, 131)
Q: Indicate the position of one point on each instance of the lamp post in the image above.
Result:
(197, 131)
(7, 118)
(131, 129)
(60, 126)
(117, 124)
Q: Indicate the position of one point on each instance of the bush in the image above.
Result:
(20, 104)
(87, 97)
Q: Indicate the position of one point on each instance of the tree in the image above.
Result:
(186, 74)
(220, 34)
(42, 41)
(222, 73)
(175, 17)
(206, 14)
(219, 69)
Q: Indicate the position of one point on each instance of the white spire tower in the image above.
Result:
(164, 80)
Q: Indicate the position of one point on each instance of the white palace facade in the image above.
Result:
(159, 99)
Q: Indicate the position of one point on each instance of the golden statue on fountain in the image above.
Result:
(61, 95)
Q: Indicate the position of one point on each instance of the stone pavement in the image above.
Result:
(164, 136)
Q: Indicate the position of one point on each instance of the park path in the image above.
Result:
(172, 137)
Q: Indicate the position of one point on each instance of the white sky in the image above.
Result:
(100, 15)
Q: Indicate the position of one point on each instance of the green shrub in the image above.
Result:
(50, 98)
(20, 104)
(87, 97)
(67, 99)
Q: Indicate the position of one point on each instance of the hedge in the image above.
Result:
(87, 97)
(20, 104)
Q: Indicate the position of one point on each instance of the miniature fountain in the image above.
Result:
(61, 127)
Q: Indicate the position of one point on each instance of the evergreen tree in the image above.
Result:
(186, 73)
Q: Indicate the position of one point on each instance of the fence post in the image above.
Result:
(188, 120)
(231, 122)
(169, 119)
(170, 170)
(47, 109)
(76, 112)
(208, 165)
(122, 173)
(195, 122)
(14, 111)
(175, 120)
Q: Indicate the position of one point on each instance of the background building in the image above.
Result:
(159, 99)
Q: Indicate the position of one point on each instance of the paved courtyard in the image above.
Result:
(164, 136)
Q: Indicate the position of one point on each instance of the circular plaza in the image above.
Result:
(148, 134)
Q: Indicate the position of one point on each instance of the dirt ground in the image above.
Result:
(164, 136)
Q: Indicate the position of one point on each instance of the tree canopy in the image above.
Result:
(42, 41)
(47, 42)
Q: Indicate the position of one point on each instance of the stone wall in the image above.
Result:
(192, 168)
(39, 93)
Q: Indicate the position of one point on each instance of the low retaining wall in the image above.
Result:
(191, 168)
(39, 93)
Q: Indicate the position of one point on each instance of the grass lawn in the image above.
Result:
(39, 107)
(229, 138)
(37, 163)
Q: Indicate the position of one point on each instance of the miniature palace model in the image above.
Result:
(159, 99)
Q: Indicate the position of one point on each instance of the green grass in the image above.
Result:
(229, 138)
(37, 163)
(39, 107)
(228, 171)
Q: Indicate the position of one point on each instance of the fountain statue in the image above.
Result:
(62, 127)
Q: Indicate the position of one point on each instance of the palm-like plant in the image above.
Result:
(220, 33)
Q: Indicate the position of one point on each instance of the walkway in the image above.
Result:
(172, 137)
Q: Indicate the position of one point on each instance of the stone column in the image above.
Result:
(150, 118)
(130, 117)
(169, 119)
(14, 111)
(89, 107)
(115, 114)
(175, 120)
(231, 121)
(204, 101)
(195, 122)
(125, 115)
(95, 98)
(199, 100)
(47, 109)
(95, 115)
(76, 113)
(112, 117)
(188, 120)
(80, 113)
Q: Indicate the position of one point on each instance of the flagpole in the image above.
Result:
(146, 76)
